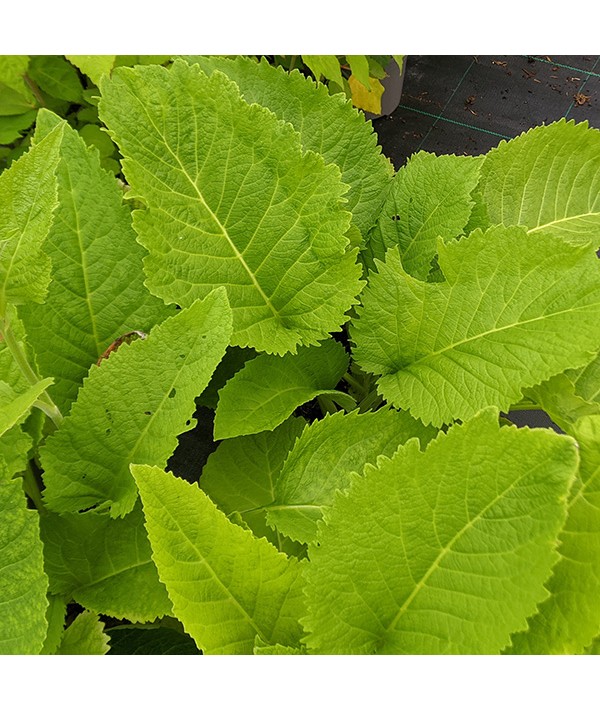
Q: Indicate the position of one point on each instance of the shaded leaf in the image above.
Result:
(269, 388)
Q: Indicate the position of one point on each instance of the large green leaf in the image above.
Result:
(104, 564)
(429, 198)
(232, 200)
(132, 408)
(27, 201)
(240, 477)
(226, 585)
(269, 388)
(495, 326)
(444, 551)
(97, 292)
(323, 459)
(23, 583)
(569, 619)
(548, 180)
(327, 124)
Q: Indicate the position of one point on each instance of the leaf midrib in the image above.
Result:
(214, 217)
(448, 548)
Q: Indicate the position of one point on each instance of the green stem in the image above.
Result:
(327, 405)
(45, 402)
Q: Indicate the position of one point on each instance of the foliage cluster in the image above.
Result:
(346, 341)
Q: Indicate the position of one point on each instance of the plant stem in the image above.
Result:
(45, 402)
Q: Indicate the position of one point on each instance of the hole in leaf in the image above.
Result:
(107, 431)
(172, 393)
(147, 412)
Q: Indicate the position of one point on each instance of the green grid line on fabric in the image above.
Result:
(589, 73)
(439, 117)
(582, 87)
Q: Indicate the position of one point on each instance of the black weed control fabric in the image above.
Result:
(467, 104)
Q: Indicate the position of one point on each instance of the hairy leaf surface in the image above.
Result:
(232, 200)
(323, 459)
(132, 407)
(241, 475)
(442, 551)
(104, 564)
(269, 388)
(430, 197)
(226, 585)
(569, 619)
(495, 326)
(23, 583)
(27, 202)
(97, 292)
(547, 179)
(327, 124)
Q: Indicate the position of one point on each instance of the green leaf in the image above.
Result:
(104, 564)
(261, 648)
(569, 619)
(232, 361)
(13, 68)
(27, 201)
(586, 381)
(444, 551)
(324, 65)
(323, 459)
(54, 75)
(495, 326)
(15, 407)
(11, 127)
(547, 179)
(160, 640)
(23, 583)
(226, 585)
(13, 102)
(240, 477)
(14, 449)
(232, 200)
(55, 616)
(94, 65)
(85, 635)
(558, 398)
(97, 292)
(359, 66)
(327, 125)
(430, 198)
(269, 388)
(93, 135)
(146, 392)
